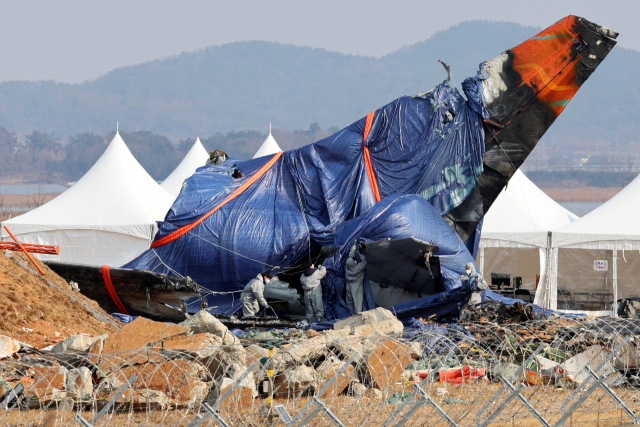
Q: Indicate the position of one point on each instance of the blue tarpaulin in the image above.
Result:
(430, 145)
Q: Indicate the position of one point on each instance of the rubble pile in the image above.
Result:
(181, 366)
(197, 360)
(500, 313)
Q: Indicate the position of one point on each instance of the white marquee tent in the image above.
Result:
(108, 217)
(596, 260)
(268, 147)
(195, 158)
(515, 233)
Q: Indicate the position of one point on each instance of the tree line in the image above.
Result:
(43, 158)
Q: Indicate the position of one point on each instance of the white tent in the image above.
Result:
(268, 147)
(195, 158)
(515, 233)
(108, 217)
(596, 260)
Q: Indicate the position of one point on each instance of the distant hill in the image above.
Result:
(246, 85)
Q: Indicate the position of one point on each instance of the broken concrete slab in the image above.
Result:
(386, 360)
(75, 344)
(240, 397)
(294, 382)
(95, 351)
(141, 399)
(8, 346)
(357, 389)
(373, 394)
(180, 380)
(74, 350)
(417, 349)
(327, 370)
(302, 352)
(205, 322)
(392, 327)
(79, 384)
(128, 345)
(364, 318)
(198, 345)
(48, 380)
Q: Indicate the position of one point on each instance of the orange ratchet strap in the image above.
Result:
(106, 275)
(367, 157)
(185, 229)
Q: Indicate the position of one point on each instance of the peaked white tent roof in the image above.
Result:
(524, 214)
(614, 221)
(107, 217)
(195, 158)
(268, 147)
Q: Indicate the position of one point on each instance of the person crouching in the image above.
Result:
(253, 295)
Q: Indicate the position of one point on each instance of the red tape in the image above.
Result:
(367, 157)
(185, 229)
(106, 275)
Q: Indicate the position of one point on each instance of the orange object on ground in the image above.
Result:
(457, 375)
(185, 229)
(30, 247)
(367, 157)
(24, 250)
(106, 275)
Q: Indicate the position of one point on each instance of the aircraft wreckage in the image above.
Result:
(410, 183)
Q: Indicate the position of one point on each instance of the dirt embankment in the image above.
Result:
(44, 310)
(582, 194)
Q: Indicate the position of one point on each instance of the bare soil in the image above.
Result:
(34, 312)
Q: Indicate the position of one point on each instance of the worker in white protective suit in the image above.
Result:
(354, 276)
(310, 281)
(253, 295)
(470, 272)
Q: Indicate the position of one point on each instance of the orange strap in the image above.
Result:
(185, 229)
(106, 275)
(367, 157)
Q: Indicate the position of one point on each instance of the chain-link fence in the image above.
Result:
(549, 372)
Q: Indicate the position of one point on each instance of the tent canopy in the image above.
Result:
(611, 222)
(268, 147)
(523, 214)
(115, 204)
(195, 158)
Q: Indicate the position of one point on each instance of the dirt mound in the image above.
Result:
(44, 310)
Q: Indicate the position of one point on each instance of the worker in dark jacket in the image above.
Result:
(354, 275)
(310, 281)
(253, 295)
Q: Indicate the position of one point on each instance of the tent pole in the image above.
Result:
(614, 273)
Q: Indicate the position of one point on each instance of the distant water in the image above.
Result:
(581, 208)
(32, 188)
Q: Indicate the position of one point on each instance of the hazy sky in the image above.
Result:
(73, 41)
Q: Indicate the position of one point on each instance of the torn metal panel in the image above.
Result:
(400, 270)
(525, 90)
(143, 292)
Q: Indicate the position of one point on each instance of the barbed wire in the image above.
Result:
(586, 371)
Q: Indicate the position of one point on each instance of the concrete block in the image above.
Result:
(365, 318)
(79, 383)
(8, 346)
